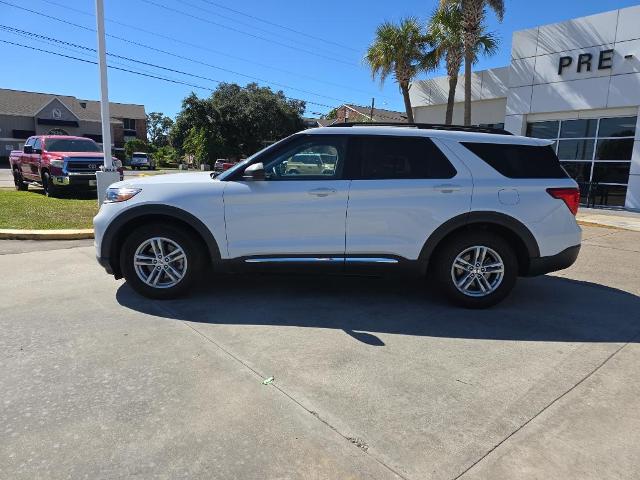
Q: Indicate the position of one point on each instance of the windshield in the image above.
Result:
(71, 145)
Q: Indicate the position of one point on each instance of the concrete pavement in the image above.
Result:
(374, 378)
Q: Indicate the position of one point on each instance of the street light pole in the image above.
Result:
(108, 174)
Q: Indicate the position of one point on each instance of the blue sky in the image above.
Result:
(321, 64)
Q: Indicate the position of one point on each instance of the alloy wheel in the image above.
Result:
(160, 262)
(477, 271)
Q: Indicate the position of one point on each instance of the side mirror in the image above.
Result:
(28, 149)
(37, 150)
(254, 172)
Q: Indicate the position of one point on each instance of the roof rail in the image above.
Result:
(425, 126)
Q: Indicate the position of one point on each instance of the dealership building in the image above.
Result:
(576, 83)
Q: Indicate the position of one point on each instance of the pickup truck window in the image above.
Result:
(37, 144)
(71, 145)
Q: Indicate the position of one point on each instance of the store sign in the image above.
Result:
(585, 61)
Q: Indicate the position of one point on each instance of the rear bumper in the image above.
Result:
(553, 263)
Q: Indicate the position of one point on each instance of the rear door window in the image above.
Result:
(519, 161)
(388, 157)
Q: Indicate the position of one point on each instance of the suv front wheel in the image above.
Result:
(160, 261)
(477, 269)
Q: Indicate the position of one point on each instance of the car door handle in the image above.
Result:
(448, 188)
(322, 192)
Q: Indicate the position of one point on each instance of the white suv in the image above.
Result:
(472, 209)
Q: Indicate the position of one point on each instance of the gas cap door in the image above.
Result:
(508, 196)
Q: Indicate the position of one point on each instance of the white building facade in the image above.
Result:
(576, 83)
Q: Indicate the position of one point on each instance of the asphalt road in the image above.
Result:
(373, 378)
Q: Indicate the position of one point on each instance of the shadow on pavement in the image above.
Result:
(539, 309)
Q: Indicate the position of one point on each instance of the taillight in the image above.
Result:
(570, 196)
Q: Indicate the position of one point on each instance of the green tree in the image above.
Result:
(195, 145)
(158, 127)
(135, 145)
(236, 120)
(166, 156)
(473, 16)
(446, 38)
(399, 50)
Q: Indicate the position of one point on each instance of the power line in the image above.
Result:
(32, 34)
(157, 77)
(268, 22)
(78, 51)
(182, 57)
(208, 49)
(213, 14)
(259, 37)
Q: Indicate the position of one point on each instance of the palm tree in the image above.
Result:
(473, 14)
(398, 49)
(446, 37)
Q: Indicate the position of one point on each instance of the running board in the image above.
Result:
(321, 260)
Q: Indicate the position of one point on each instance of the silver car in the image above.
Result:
(142, 160)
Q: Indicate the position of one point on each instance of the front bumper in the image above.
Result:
(82, 180)
(104, 263)
(553, 263)
(75, 180)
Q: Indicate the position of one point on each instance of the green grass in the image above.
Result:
(31, 210)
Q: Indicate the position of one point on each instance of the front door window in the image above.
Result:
(317, 158)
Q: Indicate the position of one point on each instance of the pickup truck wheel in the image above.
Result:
(476, 269)
(19, 181)
(160, 261)
(50, 189)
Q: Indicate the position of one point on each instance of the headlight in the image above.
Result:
(120, 194)
(57, 163)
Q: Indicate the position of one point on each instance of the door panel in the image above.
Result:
(299, 208)
(25, 161)
(285, 217)
(395, 216)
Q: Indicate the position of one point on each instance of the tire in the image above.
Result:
(140, 242)
(50, 189)
(497, 281)
(19, 181)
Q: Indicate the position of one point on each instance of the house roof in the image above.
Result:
(28, 104)
(379, 114)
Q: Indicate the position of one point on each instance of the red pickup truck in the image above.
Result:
(57, 162)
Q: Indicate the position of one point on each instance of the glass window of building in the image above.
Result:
(596, 152)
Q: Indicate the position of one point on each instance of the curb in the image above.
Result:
(14, 234)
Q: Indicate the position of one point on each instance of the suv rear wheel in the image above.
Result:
(160, 261)
(477, 269)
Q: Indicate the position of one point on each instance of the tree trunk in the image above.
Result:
(468, 62)
(453, 83)
(407, 102)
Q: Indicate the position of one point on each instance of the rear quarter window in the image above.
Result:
(519, 161)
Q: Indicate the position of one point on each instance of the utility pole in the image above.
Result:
(108, 174)
(373, 103)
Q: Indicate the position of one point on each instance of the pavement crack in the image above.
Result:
(549, 405)
(359, 443)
